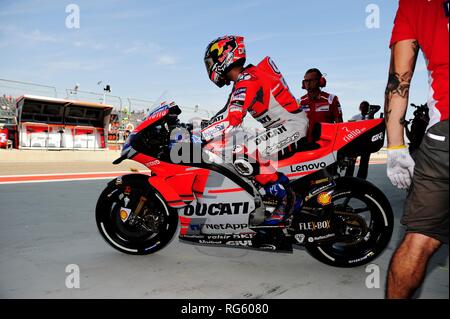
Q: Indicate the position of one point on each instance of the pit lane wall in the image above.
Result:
(15, 155)
(46, 122)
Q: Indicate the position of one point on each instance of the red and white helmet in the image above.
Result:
(221, 55)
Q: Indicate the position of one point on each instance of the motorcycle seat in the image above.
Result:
(300, 146)
(303, 144)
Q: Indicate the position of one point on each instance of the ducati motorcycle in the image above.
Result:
(344, 221)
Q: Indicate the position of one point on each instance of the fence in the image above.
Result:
(126, 107)
(18, 88)
(128, 112)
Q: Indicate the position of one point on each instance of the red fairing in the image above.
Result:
(347, 132)
(183, 184)
(159, 167)
(168, 193)
(333, 137)
(326, 142)
(150, 120)
(184, 225)
(200, 183)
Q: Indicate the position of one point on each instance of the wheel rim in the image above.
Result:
(125, 234)
(363, 226)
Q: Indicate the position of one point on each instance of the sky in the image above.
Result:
(142, 48)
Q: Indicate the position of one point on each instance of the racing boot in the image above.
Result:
(288, 202)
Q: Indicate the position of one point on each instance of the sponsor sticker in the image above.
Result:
(217, 209)
(312, 226)
(323, 108)
(244, 77)
(239, 97)
(155, 162)
(324, 199)
(377, 137)
(240, 91)
(124, 214)
(308, 167)
(324, 236)
(300, 238)
(239, 243)
(351, 134)
(226, 226)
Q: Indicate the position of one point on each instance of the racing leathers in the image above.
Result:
(262, 91)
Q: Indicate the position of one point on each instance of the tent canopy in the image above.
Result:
(32, 108)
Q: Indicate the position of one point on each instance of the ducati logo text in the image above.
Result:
(216, 209)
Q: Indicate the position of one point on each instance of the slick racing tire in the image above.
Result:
(367, 223)
(157, 221)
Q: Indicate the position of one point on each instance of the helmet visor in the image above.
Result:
(209, 63)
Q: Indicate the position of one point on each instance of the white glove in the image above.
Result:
(400, 167)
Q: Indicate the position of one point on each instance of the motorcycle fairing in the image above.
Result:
(183, 185)
(224, 207)
(296, 166)
(363, 135)
(214, 204)
(163, 110)
(168, 193)
(356, 138)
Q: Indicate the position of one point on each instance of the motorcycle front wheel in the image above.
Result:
(365, 228)
(142, 234)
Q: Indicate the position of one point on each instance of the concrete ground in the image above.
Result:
(47, 228)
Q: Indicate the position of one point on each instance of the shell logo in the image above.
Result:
(123, 215)
(324, 199)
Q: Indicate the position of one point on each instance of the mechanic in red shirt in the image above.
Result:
(261, 91)
(419, 24)
(320, 106)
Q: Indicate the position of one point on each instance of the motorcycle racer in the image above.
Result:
(261, 91)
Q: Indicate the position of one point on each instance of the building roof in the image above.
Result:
(63, 101)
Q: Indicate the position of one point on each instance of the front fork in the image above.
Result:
(142, 201)
(137, 215)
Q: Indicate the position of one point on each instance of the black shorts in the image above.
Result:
(426, 207)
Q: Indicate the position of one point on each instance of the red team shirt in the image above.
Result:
(324, 109)
(427, 22)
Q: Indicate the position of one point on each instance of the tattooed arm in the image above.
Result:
(403, 61)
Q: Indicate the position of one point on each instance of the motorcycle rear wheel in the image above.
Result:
(369, 205)
(135, 239)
